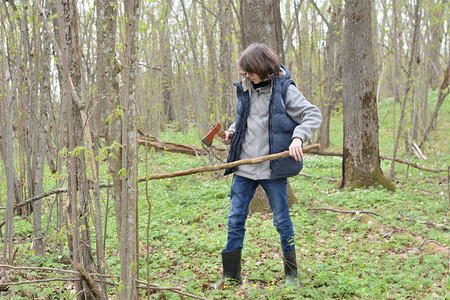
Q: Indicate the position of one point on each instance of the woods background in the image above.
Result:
(80, 79)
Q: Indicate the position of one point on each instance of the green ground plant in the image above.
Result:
(182, 230)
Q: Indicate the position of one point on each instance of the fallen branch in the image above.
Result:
(426, 242)
(250, 161)
(176, 290)
(402, 161)
(428, 223)
(353, 212)
(4, 284)
(89, 281)
(324, 178)
(152, 142)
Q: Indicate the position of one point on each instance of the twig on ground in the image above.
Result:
(428, 223)
(324, 178)
(354, 212)
(426, 242)
(2, 284)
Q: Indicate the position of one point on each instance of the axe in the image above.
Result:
(215, 129)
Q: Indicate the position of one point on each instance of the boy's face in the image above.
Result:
(253, 77)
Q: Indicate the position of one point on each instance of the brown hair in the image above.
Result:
(261, 60)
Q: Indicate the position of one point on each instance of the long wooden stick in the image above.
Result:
(250, 161)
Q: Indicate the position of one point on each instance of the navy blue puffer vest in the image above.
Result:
(281, 127)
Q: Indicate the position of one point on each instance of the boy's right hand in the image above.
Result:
(228, 137)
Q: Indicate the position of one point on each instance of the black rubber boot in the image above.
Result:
(290, 268)
(231, 262)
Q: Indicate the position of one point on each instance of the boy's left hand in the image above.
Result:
(295, 149)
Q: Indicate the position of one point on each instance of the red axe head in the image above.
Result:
(215, 129)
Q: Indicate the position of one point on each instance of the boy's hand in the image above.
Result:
(295, 149)
(228, 137)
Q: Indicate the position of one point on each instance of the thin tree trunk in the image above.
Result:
(72, 205)
(9, 166)
(333, 44)
(43, 128)
(26, 87)
(127, 207)
(396, 84)
(225, 63)
(275, 21)
(106, 78)
(440, 100)
(408, 86)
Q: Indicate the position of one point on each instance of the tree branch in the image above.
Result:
(250, 161)
(147, 286)
(353, 212)
(409, 163)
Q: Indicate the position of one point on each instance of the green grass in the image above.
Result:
(338, 256)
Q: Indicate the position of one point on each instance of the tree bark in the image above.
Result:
(166, 56)
(333, 73)
(440, 100)
(225, 63)
(9, 166)
(107, 87)
(64, 11)
(43, 129)
(409, 78)
(361, 161)
(127, 207)
(252, 13)
(266, 15)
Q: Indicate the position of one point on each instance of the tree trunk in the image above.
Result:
(43, 129)
(361, 161)
(27, 88)
(107, 89)
(274, 14)
(437, 19)
(257, 12)
(166, 56)
(333, 65)
(409, 83)
(251, 13)
(9, 165)
(127, 207)
(396, 82)
(64, 12)
(70, 16)
(440, 100)
(225, 63)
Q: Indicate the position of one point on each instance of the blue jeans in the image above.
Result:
(242, 191)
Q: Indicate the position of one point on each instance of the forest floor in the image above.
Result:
(367, 244)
